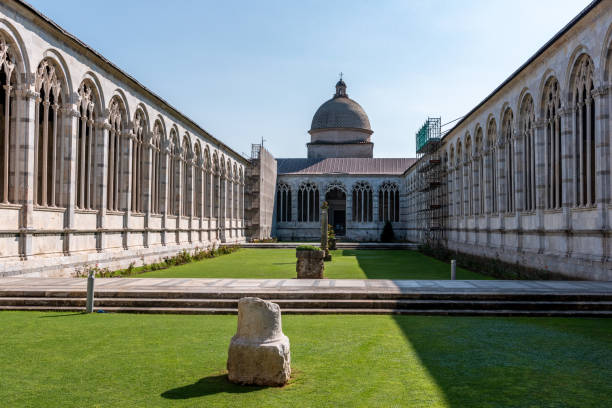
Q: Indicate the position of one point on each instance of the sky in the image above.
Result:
(247, 70)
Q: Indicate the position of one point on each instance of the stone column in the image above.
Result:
(324, 232)
(147, 156)
(540, 179)
(129, 138)
(103, 129)
(200, 170)
(25, 179)
(72, 129)
(568, 176)
(602, 164)
(164, 188)
(179, 178)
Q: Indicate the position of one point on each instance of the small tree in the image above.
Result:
(387, 233)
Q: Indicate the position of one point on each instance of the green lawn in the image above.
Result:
(346, 264)
(120, 360)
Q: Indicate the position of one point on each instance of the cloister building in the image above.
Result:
(95, 168)
(525, 175)
(363, 192)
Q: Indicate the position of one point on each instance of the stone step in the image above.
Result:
(313, 303)
(425, 312)
(319, 294)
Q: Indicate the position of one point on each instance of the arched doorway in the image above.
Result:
(336, 199)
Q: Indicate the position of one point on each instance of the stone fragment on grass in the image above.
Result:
(259, 351)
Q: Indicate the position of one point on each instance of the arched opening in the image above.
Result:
(336, 199)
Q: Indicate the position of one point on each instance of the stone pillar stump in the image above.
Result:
(310, 264)
(259, 351)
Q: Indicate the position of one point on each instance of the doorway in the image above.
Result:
(336, 199)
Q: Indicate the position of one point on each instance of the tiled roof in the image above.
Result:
(359, 166)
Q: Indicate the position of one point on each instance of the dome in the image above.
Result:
(340, 112)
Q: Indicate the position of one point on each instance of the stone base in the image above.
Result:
(310, 264)
(259, 363)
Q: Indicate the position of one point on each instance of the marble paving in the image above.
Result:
(253, 286)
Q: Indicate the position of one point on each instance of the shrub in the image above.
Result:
(307, 248)
(331, 237)
(387, 233)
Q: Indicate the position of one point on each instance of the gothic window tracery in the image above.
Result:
(115, 155)
(7, 123)
(468, 169)
(527, 128)
(186, 174)
(508, 151)
(138, 162)
(86, 148)
(197, 191)
(283, 203)
(308, 202)
(492, 152)
(362, 202)
(174, 174)
(479, 158)
(584, 131)
(388, 202)
(553, 143)
(48, 146)
(156, 167)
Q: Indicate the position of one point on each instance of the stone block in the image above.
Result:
(259, 351)
(310, 264)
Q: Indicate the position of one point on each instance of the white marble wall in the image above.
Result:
(572, 238)
(63, 237)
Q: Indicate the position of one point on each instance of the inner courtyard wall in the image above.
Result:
(527, 172)
(178, 187)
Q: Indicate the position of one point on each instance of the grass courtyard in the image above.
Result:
(120, 360)
(346, 264)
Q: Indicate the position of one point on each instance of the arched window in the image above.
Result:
(138, 162)
(197, 185)
(156, 167)
(8, 185)
(216, 185)
(115, 157)
(388, 202)
(469, 188)
(584, 131)
(186, 159)
(48, 144)
(240, 194)
(207, 183)
(492, 145)
(283, 203)
(236, 197)
(527, 119)
(451, 185)
(509, 158)
(553, 142)
(229, 189)
(308, 203)
(174, 174)
(459, 177)
(362, 202)
(86, 149)
(479, 158)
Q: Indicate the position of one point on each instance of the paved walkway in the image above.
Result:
(253, 286)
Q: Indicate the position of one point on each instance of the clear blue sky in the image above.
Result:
(243, 70)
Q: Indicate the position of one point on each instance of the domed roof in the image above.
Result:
(340, 112)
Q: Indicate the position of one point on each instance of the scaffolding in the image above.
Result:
(431, 184)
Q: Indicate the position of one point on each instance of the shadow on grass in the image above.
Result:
(64, 315)
(210, 385)
(502, 362)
